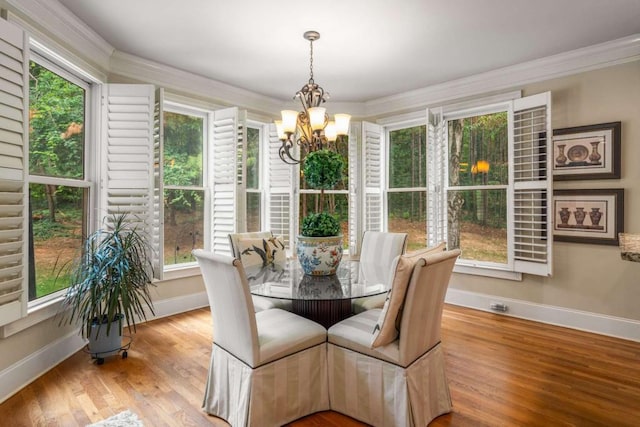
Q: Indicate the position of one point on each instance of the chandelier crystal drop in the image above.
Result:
(310, 128)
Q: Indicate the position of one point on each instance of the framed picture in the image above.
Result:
(588, 216)
(587, 152)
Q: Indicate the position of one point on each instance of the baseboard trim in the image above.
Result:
(170, 306)
(25, 371)
(560, 316)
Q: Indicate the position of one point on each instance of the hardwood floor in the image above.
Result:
(502, 372)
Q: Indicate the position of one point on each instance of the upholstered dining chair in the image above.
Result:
(388, 376)
(267, 368)
(377, 252)
(362, 304)
(260, 303)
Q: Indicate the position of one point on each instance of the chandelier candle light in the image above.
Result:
(310, 128)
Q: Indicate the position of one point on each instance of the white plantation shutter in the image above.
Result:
(13, 275)
(128, 153)
(225, 177)
(280, 209)
(14, 98)
(158, 186)
(354, 185)
(437, 177)
(372, 175)
(530, 157)
(241, 173)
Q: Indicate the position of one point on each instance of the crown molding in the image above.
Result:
(133, 67)
(53, 24)
(602, 55)
(193, 85)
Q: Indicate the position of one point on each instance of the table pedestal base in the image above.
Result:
(324, 312)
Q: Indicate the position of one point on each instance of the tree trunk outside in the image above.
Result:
(172, 216)
(50, 191)
(455, 200)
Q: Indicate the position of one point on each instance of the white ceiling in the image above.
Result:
(368, 48)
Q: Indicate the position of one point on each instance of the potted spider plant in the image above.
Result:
(319, 247)
(110, 284)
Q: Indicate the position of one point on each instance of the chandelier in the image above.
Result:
(310, 128)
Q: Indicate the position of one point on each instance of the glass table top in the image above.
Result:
(289, 282)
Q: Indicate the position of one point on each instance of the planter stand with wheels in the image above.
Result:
(100, 355)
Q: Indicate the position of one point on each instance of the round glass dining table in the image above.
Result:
(324, 299)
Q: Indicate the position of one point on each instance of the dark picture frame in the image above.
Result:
(588, 216)
(587, 152)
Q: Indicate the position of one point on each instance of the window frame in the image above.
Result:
(508, 188)
(262, 166)
(511, 102)
(177, 270)
(421, 122)
(87, 183)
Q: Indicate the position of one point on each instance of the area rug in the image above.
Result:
(123, 419)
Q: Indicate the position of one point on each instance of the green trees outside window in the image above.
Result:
(477, 186)
(253, 171)
(407, 192)
(478, 177)
(183, 186)
(58, 191)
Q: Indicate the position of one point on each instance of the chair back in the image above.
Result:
(422, 313)
(379, 249)
(232, 311)
(235, 237)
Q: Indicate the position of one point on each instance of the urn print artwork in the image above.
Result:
(587, 152)
(588, 216)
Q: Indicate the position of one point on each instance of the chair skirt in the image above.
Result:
(383, 394)
(269, 395)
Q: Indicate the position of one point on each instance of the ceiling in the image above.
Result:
(368, 49)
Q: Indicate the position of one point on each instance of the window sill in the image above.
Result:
(487, 272)
(35, 315)
(48, 309)
(181, 272)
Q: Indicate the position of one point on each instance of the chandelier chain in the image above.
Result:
(311, 60)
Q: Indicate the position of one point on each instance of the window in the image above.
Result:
(406, 190)
(489, 185)
(477, 176)
(253, 179)
(477, 188)
(183, 178)
(58, 185)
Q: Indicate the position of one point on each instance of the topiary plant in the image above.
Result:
(322, 170)
(321, 224)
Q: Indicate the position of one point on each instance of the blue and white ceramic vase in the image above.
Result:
(319, 256)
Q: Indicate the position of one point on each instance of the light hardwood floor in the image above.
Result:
(502, 372)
